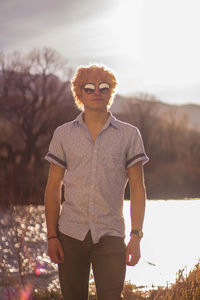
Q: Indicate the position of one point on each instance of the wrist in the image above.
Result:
(135, 238)
(136, 232)
(53, 236)
(52, 232)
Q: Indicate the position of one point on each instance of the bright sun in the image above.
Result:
(123, 26)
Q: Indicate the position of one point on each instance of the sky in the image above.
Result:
(152, 45)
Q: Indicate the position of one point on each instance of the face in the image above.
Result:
(96, 91)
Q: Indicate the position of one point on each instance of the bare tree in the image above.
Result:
(32, 99)
(35, 98)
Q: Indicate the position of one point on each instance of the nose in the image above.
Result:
(97, 92)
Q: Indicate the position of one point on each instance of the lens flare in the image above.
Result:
(25, 294)
(37, 271)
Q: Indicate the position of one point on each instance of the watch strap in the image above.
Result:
(138, 232)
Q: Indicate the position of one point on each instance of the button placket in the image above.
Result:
(93, 182)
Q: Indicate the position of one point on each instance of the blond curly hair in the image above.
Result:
(80, 79)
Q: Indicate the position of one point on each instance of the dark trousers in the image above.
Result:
(108, 262)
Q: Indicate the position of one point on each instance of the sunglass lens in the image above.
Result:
(89, 88)
(104, 87)
(89, 91)
(104, 90)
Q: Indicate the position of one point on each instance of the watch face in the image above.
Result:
(140, 233)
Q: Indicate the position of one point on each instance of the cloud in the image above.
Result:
(22, 19)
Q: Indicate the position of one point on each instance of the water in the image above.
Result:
(171, 242)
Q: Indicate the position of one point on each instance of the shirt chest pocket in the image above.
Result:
(113, 154)
(113, 163)
(113, 157)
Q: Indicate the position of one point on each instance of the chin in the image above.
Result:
(97, 108)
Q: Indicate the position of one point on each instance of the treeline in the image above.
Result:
(172, 146)
(34, 101)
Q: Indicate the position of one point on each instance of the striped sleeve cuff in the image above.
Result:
(139, 157)
(52, 158)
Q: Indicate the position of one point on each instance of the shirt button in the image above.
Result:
(95, 150)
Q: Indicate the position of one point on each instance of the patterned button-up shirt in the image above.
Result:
(95, 175)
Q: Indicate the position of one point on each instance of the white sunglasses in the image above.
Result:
(103, 87)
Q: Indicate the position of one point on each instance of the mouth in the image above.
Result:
(97, 99)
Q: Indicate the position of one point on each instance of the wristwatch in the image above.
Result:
(138, 232)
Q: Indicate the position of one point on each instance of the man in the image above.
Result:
(94, 156)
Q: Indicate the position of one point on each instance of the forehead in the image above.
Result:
(96, 76)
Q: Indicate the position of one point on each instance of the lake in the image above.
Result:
(171, 242)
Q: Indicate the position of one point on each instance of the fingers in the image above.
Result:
(132, 255)
(127, 256)
(59, 257)
(60, 254)
(132, 260)
(55, 251)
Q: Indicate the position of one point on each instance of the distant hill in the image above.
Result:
(190, 113)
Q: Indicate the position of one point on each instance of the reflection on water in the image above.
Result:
(170, 242)
(23, 259)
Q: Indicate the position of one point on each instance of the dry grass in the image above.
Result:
(186, 287)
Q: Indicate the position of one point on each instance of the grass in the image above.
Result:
(186, 287)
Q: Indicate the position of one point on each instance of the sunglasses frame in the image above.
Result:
(103, 90)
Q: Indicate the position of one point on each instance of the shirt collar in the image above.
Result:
(111, 120)
(79, 119)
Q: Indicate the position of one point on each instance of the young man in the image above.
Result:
(94, 156)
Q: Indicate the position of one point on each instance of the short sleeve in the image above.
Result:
(136, 150)
(56, 154)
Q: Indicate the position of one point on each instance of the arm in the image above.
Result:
(52, 211)
(137, 209)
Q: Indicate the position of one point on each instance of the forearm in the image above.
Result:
(137, 207)
(137, 210)
(52, 208)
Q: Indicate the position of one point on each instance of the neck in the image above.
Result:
(95, 117)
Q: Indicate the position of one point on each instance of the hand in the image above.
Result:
(55, 251)
(133, 251)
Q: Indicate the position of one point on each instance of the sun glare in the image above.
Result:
(123, 25)
(114, 33)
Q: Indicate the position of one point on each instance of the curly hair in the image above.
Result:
(80, 79)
